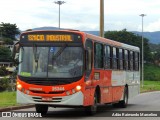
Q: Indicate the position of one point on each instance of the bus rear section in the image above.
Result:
(114, 75)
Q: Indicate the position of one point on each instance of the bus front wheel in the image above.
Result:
(91, 110)
(41, 109)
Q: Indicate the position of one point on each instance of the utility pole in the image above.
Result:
(59, 3)
(142, 15)
(101, 18)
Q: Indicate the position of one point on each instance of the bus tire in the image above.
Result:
(123, 103)
(115, 105)
(91, 110)
(41, 109)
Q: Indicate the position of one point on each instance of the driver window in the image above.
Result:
(88, 45)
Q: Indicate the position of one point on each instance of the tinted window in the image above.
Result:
(108, 60)
(114, 58)
(98, 55)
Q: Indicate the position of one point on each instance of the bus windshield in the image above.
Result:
(51, 62)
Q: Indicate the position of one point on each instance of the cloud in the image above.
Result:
(84, 14)
(154, 26)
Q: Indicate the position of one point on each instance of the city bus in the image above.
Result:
(71, 68)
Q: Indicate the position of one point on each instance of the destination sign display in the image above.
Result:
(47, 38)
(51, 38)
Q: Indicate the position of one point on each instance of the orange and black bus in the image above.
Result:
(69, 68)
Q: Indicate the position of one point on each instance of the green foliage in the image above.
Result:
(8, 41)
(155, 49)
(124, 37)
(3, 71)
(9, 30)
(7, 34)
(130, 38)
(5, 54)
(4, 84)
(151, 72)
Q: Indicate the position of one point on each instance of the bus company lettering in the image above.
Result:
(58, 89)
(37, 89)
(36, 37)
(56, 38)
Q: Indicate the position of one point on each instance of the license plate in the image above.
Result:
(46, 99)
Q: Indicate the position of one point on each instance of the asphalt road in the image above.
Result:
(145, 104)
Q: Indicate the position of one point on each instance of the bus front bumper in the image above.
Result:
(71, 100)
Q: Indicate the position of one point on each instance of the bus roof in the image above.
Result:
(112, 42)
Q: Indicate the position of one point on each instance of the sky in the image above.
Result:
(82, 15)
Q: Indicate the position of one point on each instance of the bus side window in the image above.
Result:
(98, 55)
(114, 58)
(111, 57)
(136, 59)
(131, 60)
(121, 59)
(117, 58)
(126, 59)
(108, 59)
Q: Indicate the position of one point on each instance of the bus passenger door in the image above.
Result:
(88, 72)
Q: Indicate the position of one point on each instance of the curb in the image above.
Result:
(15, 108)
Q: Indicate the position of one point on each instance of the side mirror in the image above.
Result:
(15, 51)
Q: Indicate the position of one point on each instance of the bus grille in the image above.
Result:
(51, 92)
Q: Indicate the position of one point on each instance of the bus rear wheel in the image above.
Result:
(123, 103)
(91, 110)
(41, 109)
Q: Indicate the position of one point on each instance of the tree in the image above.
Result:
(3, 71)
(9, 30)
(5, 54)
(132, 39)
(155, 50)
(4, 84)
(8, 41)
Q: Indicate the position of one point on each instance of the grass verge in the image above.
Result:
(7, 99)
(150, 86)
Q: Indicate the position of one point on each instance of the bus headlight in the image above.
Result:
(78, 87)
(19, 86)
(74, 90)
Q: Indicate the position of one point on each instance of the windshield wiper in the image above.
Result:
(59, 52)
